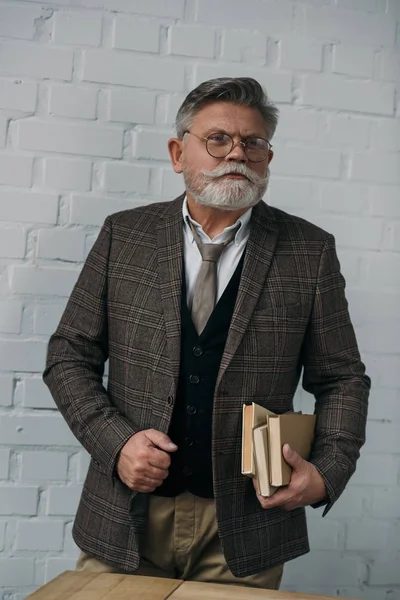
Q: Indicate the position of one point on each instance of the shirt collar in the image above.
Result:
(242, 232)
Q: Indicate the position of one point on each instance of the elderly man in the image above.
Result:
(200, 305)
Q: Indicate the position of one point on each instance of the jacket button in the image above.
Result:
(187, 471)
(194, 379)
(189, 441)
(191, 410)
(170, 400)
(197, 350)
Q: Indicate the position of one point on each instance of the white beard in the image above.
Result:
(226, 194)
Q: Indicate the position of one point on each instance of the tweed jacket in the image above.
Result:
(290, 318)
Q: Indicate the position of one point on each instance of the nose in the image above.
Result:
(237, 153)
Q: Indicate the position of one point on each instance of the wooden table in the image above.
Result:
(74, 585)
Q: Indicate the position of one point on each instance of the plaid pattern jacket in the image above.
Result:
(290, 317)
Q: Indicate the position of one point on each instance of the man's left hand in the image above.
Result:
(306, 485)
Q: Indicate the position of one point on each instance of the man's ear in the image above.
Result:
(175, 149)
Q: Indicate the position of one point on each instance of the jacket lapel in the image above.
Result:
(259, 252)
(170, 256)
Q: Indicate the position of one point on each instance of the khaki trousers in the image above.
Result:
(182, 543)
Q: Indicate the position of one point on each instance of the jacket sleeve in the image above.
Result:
(334, 374)
(76, 356)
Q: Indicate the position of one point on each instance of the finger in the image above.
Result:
(161, 440)
(293, 458)
(153, 472)
(159, 458)
(280, 498)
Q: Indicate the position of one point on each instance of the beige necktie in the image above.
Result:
(205, 290)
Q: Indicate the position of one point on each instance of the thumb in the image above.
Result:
(292, 457)
(161, 440)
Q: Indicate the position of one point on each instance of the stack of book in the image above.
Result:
(264, 434)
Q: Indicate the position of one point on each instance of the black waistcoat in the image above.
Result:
(191, 424)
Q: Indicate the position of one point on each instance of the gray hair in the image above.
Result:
(243, 91)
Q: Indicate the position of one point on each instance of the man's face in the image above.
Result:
(232, 182)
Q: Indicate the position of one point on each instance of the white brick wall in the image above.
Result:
(88, 94)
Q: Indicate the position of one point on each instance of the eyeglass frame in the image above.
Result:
(233, 144)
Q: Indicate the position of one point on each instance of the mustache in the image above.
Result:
(236, 168)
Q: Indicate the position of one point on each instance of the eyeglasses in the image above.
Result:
(220, 145)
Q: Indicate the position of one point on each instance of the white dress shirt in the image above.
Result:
(229, 259)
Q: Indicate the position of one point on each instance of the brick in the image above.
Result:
(339, 197)
(379, 303)
(88, 210)
(352, 59)
(71, 138)
(350, 26)
(385, 201)
(369, 236)
(325, 568)
(55, 566)
(70, 547)
(393, 237)
(10, 316)
(63, 244)
(349, 130)
(253, 14)
(172, 184)
(36, 430)
(15, 170)
(244, 46)
(371, 534)
(301, 54)
(17, 571)
(277, 85)
(173, 103)
(369, 97)
(21, 500)
(382, 439)
(374, 469)
(367, 5)
(4, 469)
(2, 535)
(3, 131)
(125, 69)
(44, 466)
(189, 40)
(384, 370)
(306, 162)
(376, 167)
(131, 34)
(36, 61)
(28, 207)
(351, 503)
(81, 29)
(390, 70)
(46, 318)
(12, 242)
(287, 194)
(73, 101)
(6, 390)
(386, 135)
(39, 535)
(120, 177)
(297, 125)
(18, 355)
(155, 8)
(63, 500)
(18, 22)
(386, 501)
(151, 144)
(385, 571)
(67, 174)
(379, 337)
(42, 281)
(326, 537)
(35, 394)
(131, 106)
(384, 401)
(350, 266)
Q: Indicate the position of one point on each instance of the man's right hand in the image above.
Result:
(144, 461)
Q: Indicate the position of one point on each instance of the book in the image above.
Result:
(294, 429)
(261, 457)
(253, 416)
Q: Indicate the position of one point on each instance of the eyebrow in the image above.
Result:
(210, 130)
